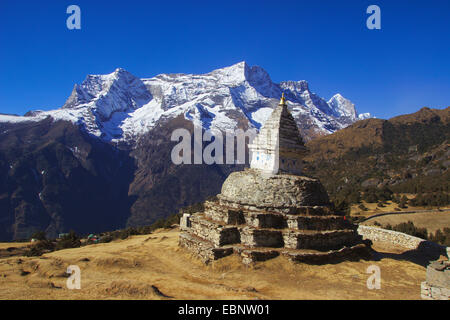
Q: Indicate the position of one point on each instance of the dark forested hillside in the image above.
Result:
(54, 178)
(409, 154)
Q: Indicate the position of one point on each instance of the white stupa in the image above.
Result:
(278, 148)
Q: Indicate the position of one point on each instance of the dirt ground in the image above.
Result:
(154, 267)
(432, 221)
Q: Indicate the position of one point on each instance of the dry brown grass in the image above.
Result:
(154, 267)
(432, 221)
(388, 207)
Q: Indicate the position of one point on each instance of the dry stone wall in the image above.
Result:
(394, 237)
(437, 284)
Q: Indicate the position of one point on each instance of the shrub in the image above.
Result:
(341, 205)
(106, 239)
(403, 201)
(431, 199)
(441, 236)
(41, 247)
(370, 197)
(71, 240)
(411, 229)
(396, 199)
(39, 235)
(362, 207)
(384, 194)
(373, 195)
(128, 232)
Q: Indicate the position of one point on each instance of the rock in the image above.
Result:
(437, 284)
(185, 221)
(252, 188)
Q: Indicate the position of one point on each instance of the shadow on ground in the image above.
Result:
(426, 252)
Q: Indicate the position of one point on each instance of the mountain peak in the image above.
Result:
(120, 70)
(343, 106)
(233, 74)
(106, 94)
(241, 72)
(337, 96)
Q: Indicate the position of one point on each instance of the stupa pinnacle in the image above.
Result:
(278, 148)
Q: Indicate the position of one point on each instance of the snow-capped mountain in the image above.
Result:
(122, 107)
(345, 108)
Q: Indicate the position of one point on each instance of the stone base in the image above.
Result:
(437, 284)
(220, 234)
(438, 274)
(207, 252)
(202, 248)
(306, 218)
(262, 238)
(261, 217)
(429, 292)
(320, 240)
(215, 232)
(251, 255)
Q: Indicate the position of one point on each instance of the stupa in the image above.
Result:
(271, 209)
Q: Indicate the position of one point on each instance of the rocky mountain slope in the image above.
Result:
(54, 177)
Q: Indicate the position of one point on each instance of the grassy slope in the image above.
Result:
(408, 153)
(432, 221)
(127, 269)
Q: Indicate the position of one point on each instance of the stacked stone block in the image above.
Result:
(305, 230)
(437, 284)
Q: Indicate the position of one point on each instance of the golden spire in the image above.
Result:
(283, 100)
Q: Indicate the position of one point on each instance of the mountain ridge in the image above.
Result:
(120, 107)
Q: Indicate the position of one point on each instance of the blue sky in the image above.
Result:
(395, 70)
